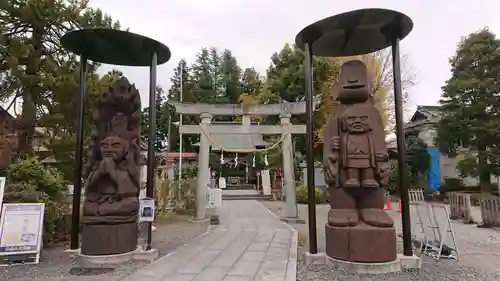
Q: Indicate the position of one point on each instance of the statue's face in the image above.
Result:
(113, 147)
(119, 121)
(353, 82)
(357, 122)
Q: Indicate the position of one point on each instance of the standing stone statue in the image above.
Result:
(111, 206)
(356, 166)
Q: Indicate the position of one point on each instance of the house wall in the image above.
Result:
(447, 164)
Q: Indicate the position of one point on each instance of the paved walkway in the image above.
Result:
(251, 244)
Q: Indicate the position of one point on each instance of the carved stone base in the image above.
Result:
(362, 243)
(100, 240)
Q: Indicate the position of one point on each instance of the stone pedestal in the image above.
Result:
(100, 240)
(361, 243)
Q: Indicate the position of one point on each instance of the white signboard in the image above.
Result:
(21, 229)
(215, 197)
(147, 210)
(222, 183)
(266, 183)
(2, 190)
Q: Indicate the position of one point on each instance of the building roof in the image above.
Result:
(236, 141)
(425, 112)
(424, 115)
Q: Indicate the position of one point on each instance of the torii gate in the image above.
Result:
(286, 129)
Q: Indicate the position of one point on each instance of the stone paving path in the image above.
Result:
(251, 244)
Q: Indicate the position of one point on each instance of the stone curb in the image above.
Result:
(291, 270)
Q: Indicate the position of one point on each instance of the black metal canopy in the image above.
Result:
(116, 47)
(354, 33)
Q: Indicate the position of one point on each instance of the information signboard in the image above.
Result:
(147, 210)
(21, 227)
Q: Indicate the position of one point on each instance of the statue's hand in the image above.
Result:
(384, 172)
(335, 143)
(109, 164)
(102, 166)
(381, 157)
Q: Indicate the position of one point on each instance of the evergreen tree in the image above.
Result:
(59, 118)
(182, 75)
(285, 82)
(31, 58)
(231, 74)
(162, 119)
(470, 106)
(251, 82)
(204, 76)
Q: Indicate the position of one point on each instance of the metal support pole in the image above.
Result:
(151, 140)
(400, 138)
(311, 204)
(180, 135)
(77, 187)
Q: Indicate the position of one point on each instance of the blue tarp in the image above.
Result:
(433, 176)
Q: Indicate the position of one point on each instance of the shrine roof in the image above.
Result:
(236, 141)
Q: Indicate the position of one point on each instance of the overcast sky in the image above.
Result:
(255, 29)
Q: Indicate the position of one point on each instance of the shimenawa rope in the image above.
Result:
(242, 150)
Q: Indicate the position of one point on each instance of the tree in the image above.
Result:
(182, 79)
(59, 119)
(470, 113)
(285, 82)
(251, 82)
(31, 58)
(161, 121)
(418, 159)
(379, 68)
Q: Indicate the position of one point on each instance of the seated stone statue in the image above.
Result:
(111, 191)
(111, 207)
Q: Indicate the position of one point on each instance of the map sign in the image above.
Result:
(21, 227)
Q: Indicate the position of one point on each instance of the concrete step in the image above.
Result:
(244, 195)
(239, 187)
(247, 197)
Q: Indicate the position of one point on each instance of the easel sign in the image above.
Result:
(147, 210)
(21, 227)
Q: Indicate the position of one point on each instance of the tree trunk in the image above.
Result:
(31, 91)
(484, 174)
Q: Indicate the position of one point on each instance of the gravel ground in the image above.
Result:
(56, 265)
(479, 254)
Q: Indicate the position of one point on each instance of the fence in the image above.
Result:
(416, 195)
(460, 206)
(490, 210)
(436, 233)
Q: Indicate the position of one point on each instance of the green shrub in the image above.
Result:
(392, 187)
(186, 196)
(28, 181)
(301, 194)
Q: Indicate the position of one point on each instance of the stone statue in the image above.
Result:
(111, 206)
(357, 169)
